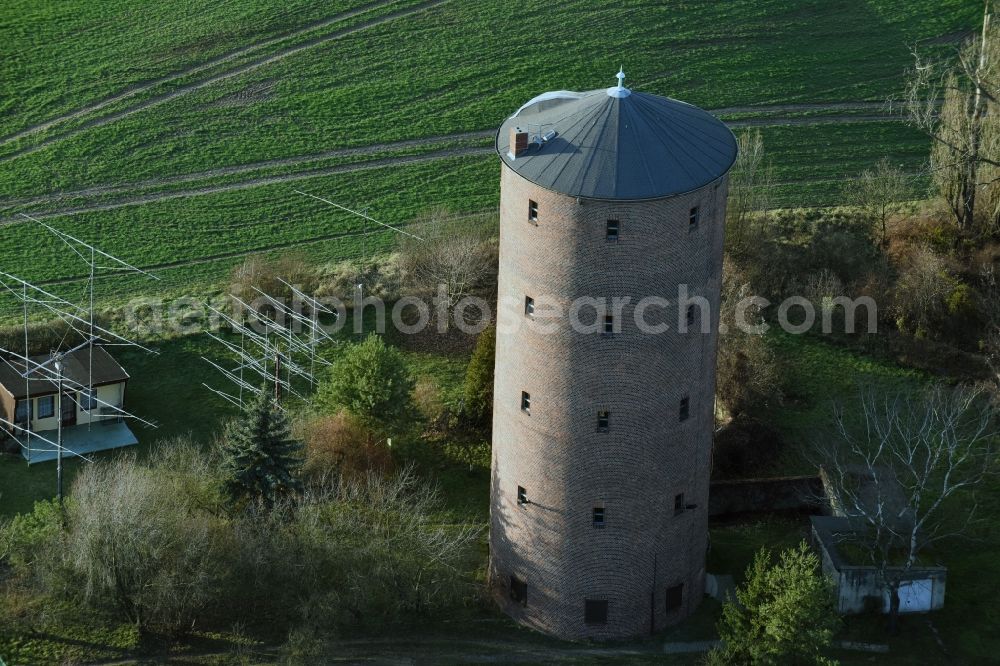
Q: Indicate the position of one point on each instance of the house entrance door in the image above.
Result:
(68, 409)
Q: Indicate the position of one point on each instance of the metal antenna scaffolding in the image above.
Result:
(271, 345)
(79, 321)
(278, 341)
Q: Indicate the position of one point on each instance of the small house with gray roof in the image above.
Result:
(89, 410)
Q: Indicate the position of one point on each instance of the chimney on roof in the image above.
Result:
(518, 142)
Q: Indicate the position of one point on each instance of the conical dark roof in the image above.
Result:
(618, 144)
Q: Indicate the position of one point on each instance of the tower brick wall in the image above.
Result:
(568, 466)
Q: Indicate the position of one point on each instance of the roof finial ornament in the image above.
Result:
(620, 90)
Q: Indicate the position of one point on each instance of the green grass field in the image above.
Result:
(174, 133)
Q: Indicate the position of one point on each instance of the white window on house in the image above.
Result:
(87, 399)
(46, 406)
(693, 219)
(22, 412)
(532, 210)
(529, 306)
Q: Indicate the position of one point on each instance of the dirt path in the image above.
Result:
(242, 69)
(138, 88)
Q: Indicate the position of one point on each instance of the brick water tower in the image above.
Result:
(603, 415)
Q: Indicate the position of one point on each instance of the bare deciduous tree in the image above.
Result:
(919, 298)
(990, 307)
(904, 470)
(951, 102)
(454, 257)
(877, 193)
(747, 369)
(749, 185)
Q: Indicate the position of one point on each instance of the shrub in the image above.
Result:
(258, 272)
(920, 293)
(379, 277)
(25, 538)
(782, 614)
(427, 399)
(370, 380)
(138, 549)
(747, 370)
(367, 551)
(455, 253)
(478, 390)
(340, 445)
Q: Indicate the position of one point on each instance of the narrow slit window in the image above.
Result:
(525, 402)
(678, 504)
(532, 210)
(518, 590)
(522, 495)
(690, 315)
(595, 611)
(685, 409)
(612, 231)
(693, 216)
(675, 597)
(603, 420)
(609, 324)
(529, 306)
(598, 516)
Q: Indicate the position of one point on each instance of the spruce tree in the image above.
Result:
(260, 458)
(478, 390)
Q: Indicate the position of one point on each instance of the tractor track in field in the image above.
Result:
(137, 88)
(770, 109)
(103, 190)
(811, 120)
(258, 182)
(222, 76)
